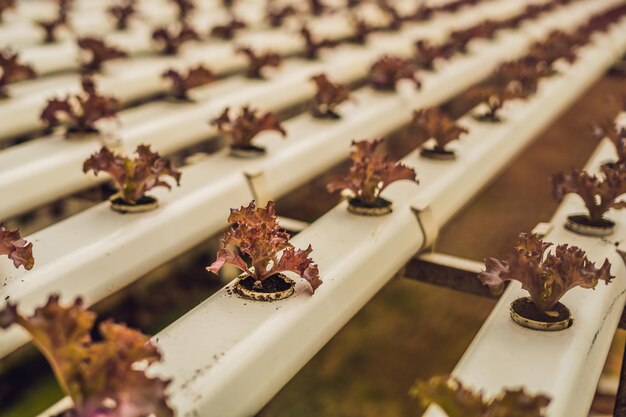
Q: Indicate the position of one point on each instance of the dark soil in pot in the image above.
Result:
(250, 151)
(437, 153)
(276, 287)
(582, 224)
(526, 314)
(145, 203)
(488, 118)
(380, 207)
(323, 113)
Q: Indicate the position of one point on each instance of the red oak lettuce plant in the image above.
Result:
(170, 39)
(313, 45)
(494, 97)
(122, 13)
(259, 238)
(546, 277)
(371, 173)
(427, 53)
(182, 83)
(318, 7)
(136, 176)
(438, 125)
(97, 53)
(102, 378)
(362, 29)
(51, 26)
(12, 71)
(388, 70)
(184, 7)
(80, 112)
(277, 15)
(228, 30)
(328, 96)
(458, 401)
(17, 249)
(242, 129)
(599, 193)
(256, 62)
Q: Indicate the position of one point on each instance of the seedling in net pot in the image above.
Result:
(276, 15)
(170, 39)
(122, 13)
(102, 378)
(370, 174)
(329, 95)
(12, 71)
(134, 177)
(50, 27)
(388, 70)
(263, 252)
(492, 99)
(600, 193)
(427, 54)
(313, 45)
(442, 128)
(15, 248)
(458, 401)
(183, 82)
(244, 127)
(228, 30)
(96, 53)
(79, 113)
(546, 277)
(258, 61)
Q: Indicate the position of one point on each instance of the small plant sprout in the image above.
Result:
(182, 83)
(455, 400)
(277, 15)
(134, 176)
(104, 378)
(362, 29)
(258, 61)
(258, 238)
(170, 39)
(6, 5)
(388, 70)
(50, 27)
(519, 76)
(184, 8)
(616, 134)
(15, 248)
(329, 95)
(314, 45)
(318, 7)
(244, 127)
(79, 113)
(427, 54)
(442, 128)
(370, 174)
(122, 12)
(11, 71)
(228, 30)
(493, 99)
(546, 277)
(393, 16)
(599, 193)
(97, 52)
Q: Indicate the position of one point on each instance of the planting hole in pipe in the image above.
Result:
(247, 152)
(583, 225)
(144, 204)
(526, 314)
(438, 154)
(380, 207)
(277, 287)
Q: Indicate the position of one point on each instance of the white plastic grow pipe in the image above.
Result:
(61, 173)
(564, 365)
(61, 266)
(141, 77)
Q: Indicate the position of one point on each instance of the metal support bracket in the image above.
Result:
(259, 187)
(427, 222)
(448, 271)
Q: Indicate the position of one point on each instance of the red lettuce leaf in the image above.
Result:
(546, 276)
(329, 95)
(242, 129)
(97, 53)
(388, 70)
(136, 176)
(371, 172)
(228, 30)
(122, 13)
(314, 45)
(101, 378)
(182, 83)
(170, 39)
(17, 249)
(258, 236)
(12, 71)
(258, 61)
(438, 125)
